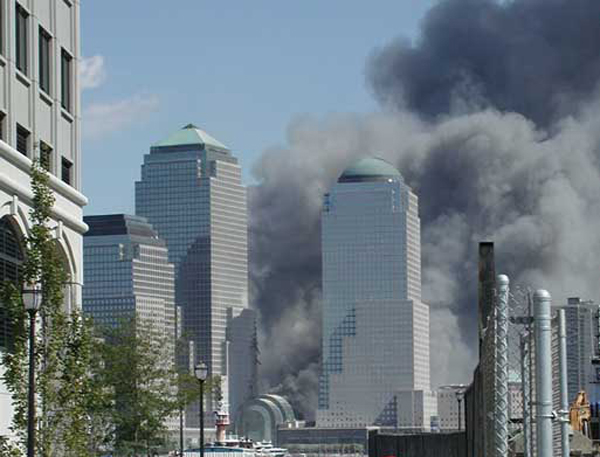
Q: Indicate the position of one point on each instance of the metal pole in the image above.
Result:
(525, 375)
(501, 409)
(531, 372)
(201, 418)
(31, 403)
(564, 394)
(543, 371)
(181, 431)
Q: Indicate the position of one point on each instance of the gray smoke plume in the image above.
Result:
(494, 123)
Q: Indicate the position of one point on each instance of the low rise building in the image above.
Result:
(451, 407)
(259, 418)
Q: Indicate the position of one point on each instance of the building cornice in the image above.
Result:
(24, 163)
(26, 195)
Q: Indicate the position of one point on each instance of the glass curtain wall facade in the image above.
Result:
(127, 273)
(191, 192)
(375, 345)
(583, 346)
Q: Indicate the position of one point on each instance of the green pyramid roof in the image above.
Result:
(189, 135)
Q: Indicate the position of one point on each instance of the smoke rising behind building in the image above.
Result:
(492, 117)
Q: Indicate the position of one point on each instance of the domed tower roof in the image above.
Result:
(370, 169)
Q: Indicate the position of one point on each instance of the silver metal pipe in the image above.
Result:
(564, 392)
(531, 370)
(525, 380)
(501, 403)
(543, 371)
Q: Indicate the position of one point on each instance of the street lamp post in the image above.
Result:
(460, 394)
(181, 431)
(32, 297)
(201, 372)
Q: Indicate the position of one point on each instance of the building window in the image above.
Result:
(2, 15)
(66, 171)
(22, 140)
(21, 17)
(45, 156)
(44, 49)
(2, 126)
(11, 261)
(65, 67)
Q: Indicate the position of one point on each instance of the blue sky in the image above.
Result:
(239, 70)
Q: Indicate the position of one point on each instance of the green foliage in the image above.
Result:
(64, 347)
(93, 394)
(138, 371)
(142, 387)
(187, 389)
(15, 361)
(8, 449)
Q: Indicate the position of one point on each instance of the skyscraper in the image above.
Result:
(583, 346)
(40, 119)
(127, 273)
(191, 192)
(375, 346)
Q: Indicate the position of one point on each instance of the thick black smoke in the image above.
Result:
(539, 58)
(495, 125)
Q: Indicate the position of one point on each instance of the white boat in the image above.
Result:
(232, 447)
(266, 449)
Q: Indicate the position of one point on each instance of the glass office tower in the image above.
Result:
(375, 345)
(582, 319)
(191, 192)
(127, 272)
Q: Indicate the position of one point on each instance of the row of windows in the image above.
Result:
(45, 54)
(24, 147)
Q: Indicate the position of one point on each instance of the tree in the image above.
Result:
(139, 371)
(187, 387)
(64, 385)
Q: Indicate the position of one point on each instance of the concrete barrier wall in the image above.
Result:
(422, 445)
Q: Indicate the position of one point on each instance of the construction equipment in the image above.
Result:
(580, 414)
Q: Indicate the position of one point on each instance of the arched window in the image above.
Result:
(11, 264)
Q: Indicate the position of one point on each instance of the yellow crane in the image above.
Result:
(580, 414)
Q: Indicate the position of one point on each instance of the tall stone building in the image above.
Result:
(191, 192)
(375, 346)
(39, 119)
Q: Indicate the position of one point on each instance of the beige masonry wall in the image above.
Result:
(42, 114)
